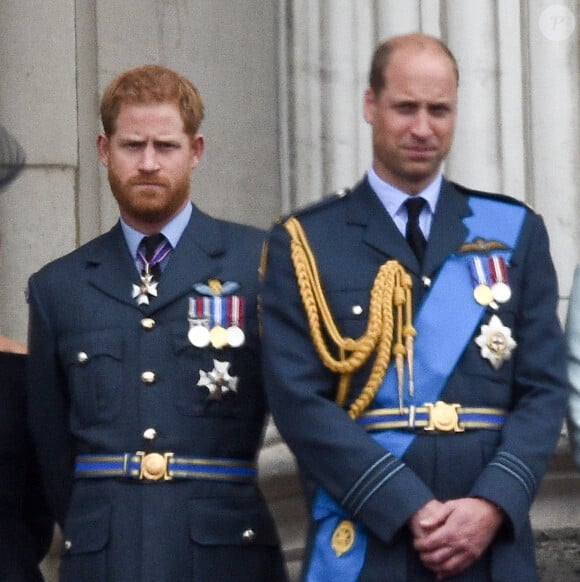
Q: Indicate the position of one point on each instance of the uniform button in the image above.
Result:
(147, 323)
(426, 281)
(150, 434)
(67, 545)
(82, 357)
(248, 536)
(148, 377)
(357, 309)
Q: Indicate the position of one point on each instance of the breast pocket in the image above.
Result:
(350, 310)
(217, 382)
(234, 540)
(93, 365)
(476, 358)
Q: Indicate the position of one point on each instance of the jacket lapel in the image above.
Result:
(112, 269)
(448, 231)
(380, 232)
(110, 266)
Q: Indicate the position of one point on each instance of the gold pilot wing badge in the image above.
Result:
(496, 342)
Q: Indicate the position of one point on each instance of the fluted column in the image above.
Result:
(340, 90)
(553, 126)
(472, 36)
(395, 17)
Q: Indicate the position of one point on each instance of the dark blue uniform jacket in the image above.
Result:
(91, 344)
(351, 237)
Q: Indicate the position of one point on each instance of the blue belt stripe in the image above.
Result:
(129, 465)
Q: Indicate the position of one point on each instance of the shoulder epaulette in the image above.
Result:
(324, 202)
(491, 195)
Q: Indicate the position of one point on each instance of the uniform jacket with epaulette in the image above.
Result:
(109, 376)
(351, 236)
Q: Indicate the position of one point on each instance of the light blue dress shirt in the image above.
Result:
(172, 231)
(394, 200)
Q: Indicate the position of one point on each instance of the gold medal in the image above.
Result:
(343, 537)
(218, 337)
(482, 294)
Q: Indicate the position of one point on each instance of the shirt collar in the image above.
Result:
(393, 199)
(172, 230)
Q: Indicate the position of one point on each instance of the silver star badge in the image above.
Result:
(148, 288)
(218, 381)
(496, 342)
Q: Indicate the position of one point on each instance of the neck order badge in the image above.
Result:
(152, 251)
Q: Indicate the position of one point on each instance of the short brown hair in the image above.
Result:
(384, 51)
(152, 84)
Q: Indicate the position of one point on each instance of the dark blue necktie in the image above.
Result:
(413, 233)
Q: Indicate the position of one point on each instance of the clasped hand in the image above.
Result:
(449, 536)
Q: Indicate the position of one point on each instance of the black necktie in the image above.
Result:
(151, 245)
(413, 233)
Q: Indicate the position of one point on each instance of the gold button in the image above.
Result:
(357, 309)
(147, 323)
(148, 377)
(248, 536)
(150, 434)
(82, 357)
(67, 545)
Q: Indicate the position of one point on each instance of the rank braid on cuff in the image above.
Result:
(390, 320)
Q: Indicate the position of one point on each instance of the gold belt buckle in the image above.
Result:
(154, 466)
(443, 417)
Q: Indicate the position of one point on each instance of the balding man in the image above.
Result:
(414, 361)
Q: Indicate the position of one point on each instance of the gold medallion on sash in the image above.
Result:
(343, 537)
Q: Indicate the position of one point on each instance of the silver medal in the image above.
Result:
(501, 292)
(198, 336)
(236, 336)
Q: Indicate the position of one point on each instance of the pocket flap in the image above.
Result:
(87, 530)
(232, 521)
(81, 349)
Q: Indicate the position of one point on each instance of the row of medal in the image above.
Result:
(491, 288)
(490, 281)
(216, 320)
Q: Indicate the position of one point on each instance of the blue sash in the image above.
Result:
(491, 220)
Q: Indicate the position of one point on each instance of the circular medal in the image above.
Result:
(218, 337)
(501, 292)
(482, 294)
(198, 336)
(235, 335)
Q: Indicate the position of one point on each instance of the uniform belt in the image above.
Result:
(163, 466)
(435, 417)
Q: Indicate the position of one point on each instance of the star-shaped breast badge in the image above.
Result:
(496, 342)
(218, 381)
